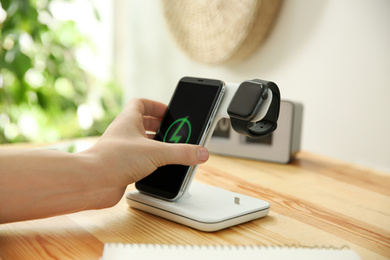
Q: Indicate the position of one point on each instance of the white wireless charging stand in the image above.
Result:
(206, 207)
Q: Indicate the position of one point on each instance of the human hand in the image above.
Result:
(127, 154)
(48, 183)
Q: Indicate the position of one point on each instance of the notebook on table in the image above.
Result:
(115, 251)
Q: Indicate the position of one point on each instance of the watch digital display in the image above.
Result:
(245, 101)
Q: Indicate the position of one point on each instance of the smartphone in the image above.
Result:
(187, 119)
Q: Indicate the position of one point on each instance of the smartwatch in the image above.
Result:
(247, 102)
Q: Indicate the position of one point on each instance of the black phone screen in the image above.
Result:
(185, 121)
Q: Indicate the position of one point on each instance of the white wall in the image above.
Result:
(332, 56)
(97, 60)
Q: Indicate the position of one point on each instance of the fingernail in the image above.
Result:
(203, 154)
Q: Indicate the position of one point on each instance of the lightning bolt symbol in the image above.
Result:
(176, 138)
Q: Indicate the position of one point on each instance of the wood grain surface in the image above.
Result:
(315, 202)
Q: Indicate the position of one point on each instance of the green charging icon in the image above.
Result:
(178, 130)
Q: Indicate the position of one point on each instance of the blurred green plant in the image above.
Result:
(45, 95)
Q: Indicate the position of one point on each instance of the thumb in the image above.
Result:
(184, 154)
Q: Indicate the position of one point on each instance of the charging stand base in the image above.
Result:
(206, 208)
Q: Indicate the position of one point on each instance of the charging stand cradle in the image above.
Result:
(205, 207)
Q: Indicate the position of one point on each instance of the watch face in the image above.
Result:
(245, 102)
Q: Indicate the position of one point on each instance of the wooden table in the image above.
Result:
(315, 201)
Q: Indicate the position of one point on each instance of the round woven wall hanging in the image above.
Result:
(220, 31)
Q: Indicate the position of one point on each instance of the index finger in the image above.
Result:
(149, 107)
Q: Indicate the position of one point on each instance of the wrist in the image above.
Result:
(102, 185)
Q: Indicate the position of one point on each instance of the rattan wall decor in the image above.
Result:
(220, 31)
